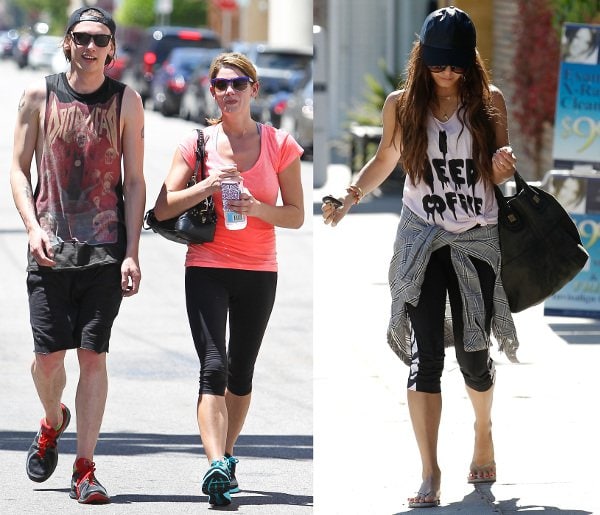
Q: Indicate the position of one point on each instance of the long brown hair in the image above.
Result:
(476, 113)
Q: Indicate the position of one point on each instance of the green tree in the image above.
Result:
(369, 112)
(136, 13)
(537, 63)
(56, 10)
(140, 13)
(575, 11)
(193, 13)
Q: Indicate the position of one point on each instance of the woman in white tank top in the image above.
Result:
(448, 130)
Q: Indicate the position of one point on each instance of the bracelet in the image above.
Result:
(356, 192)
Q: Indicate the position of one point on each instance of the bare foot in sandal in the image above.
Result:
(428, 495)
(483, 466)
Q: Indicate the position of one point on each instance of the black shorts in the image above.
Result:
(72, 309)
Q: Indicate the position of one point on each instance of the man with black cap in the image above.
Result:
(83, 221)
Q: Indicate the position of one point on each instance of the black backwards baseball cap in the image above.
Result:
(448, 38)
(96, 14)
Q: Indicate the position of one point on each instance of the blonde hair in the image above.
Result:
(231, 60)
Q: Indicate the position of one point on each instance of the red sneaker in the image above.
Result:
(84, 485)
(42, 456)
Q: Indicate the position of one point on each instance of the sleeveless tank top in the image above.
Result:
(79, 193)
(449, 196)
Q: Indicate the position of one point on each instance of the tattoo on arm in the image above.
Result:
(22, 102)
(142, 132)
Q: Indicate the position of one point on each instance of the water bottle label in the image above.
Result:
(229, 191)
(231, 217)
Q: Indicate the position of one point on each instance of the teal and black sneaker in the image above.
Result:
(216, 483)
(231, 463)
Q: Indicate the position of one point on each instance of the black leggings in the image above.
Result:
(247, 297)
(427, 320)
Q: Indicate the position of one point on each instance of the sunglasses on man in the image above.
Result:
(239, 83)
(83, 39)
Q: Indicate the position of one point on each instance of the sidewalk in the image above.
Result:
(366, 460)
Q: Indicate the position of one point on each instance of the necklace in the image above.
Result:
(446, 106)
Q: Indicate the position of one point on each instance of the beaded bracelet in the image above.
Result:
(356, 192)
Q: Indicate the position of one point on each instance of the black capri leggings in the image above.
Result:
(247, 297)
(427, 320)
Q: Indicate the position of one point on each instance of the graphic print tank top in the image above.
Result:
(449, 196)
(79, 195)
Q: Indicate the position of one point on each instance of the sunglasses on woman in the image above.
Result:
(239, 83)
(83, 39)
(441, 67)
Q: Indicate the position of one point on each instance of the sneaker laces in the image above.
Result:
(88, 474)
(46, 440)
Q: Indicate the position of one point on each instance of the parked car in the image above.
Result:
(128, 39)
(171, 79)
(119, 64)
(43, 50)
(7, 42)
(297, 117)
(281, 70)
(197, 103)
(155, 46)
(22, 48)
(59, 62)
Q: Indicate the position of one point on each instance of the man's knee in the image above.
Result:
(48, 364)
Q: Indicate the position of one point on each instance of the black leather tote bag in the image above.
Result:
(540, 245)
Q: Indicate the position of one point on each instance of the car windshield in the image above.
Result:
(171, 42)
(186, 62)
(282, 60)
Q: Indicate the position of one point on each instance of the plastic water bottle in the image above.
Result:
(231, 190)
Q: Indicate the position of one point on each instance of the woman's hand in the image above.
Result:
(213, 181)
(503, 164)
(246, 205)
(333, 215)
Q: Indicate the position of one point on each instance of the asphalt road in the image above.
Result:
(149, 456)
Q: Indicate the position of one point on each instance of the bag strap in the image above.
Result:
(200, 155)
(520, 183)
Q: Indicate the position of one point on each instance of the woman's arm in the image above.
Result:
(175, 197)
(291, 214)
(503, 160)
(379, 167)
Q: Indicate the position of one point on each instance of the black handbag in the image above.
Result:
(197, 224)
(539, 243)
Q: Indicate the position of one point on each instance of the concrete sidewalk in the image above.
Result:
(366, 460)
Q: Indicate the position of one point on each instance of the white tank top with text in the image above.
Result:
(449, 197)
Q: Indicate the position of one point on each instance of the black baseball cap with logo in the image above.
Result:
(96, 14)
(448, 38)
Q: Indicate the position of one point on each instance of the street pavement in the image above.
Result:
(149, 456)
(366, 459)
(329, 324)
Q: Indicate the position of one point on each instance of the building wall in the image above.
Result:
(290, 22)
(358, 35)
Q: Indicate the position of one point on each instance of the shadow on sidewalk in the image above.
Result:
(287, 447)
(243, 498)
(482, 500)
